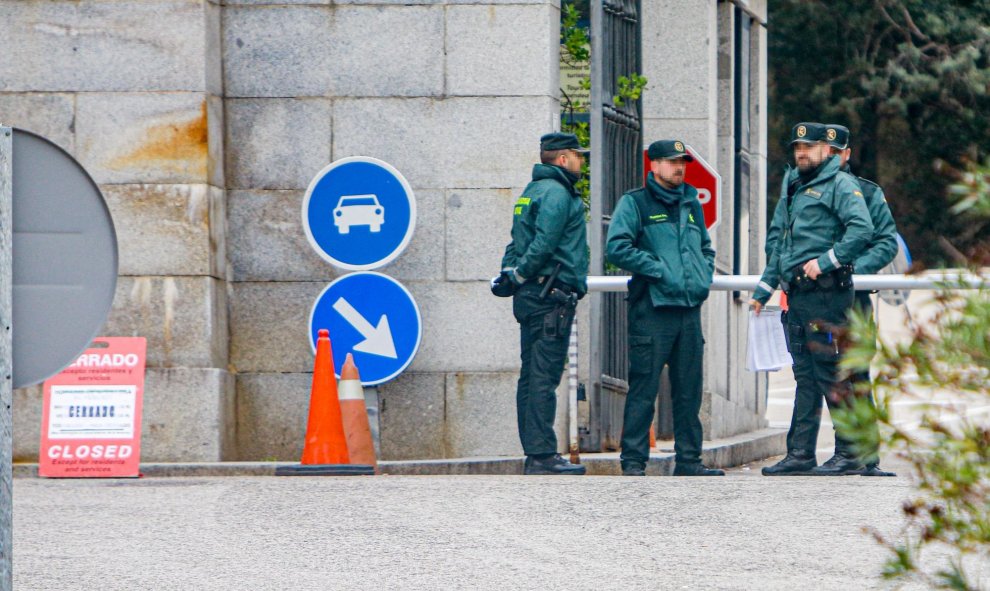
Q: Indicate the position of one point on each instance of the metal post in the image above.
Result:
(6, 359)
(572, 392)
(935, 280)
(597, 171)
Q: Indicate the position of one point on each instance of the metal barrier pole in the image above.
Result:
(935, 280)
(572, 390)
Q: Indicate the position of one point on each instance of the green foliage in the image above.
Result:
(575, 48)
(574, 39)
(948, 451)
(911, 78)
(630, 89)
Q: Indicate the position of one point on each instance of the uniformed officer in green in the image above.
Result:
(821, 224)
(658, 233)
(546, 268)
(880, 251)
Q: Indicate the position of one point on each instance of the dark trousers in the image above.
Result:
(668, 335)
(815, 321)
(545, 328)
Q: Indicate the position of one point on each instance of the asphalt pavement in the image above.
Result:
(743, 531)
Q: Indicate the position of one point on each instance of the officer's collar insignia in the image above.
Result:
(857, 193)
(831, 134)
(679, 146)
(802, 131)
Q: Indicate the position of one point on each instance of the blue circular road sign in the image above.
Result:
(359, 213)
(372, 316)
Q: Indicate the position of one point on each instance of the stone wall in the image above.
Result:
(203, 123)
(133, 90)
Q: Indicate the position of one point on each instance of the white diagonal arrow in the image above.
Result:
(377, 339)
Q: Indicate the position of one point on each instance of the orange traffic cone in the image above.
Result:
(325, 448)
(360, 445)
(653, 436)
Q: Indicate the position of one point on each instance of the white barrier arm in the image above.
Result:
(958, 279)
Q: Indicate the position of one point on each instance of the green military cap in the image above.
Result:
(561, 141)
(668, 150)
(808, 132)
(837, 135)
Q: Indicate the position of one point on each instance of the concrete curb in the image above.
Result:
(721, 453)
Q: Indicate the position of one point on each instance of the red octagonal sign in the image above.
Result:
(703, 177)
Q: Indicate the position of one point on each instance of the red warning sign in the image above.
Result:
(91, 419)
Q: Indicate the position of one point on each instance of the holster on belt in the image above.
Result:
(837, 279)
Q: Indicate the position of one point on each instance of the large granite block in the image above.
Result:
(183, 318)
(697, 133)
(272, 411)
(479, 223)
(516, 48)
(554, 3)
(423, 259)
(269, 326)
(167, 229)
(27, 408)
(52, 116)
(481, 415)
(275, 2)
(369, 39)
(681, 62)
(277, 143)
(465, 328)
(453, 132)
(218, 234)
(189, 416)
(146, 137)
(267, 241)
(126, 45)
(215, 127)
(412, 417)
(277, 51)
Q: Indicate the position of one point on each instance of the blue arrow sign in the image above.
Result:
(359, 213)
(372, 316)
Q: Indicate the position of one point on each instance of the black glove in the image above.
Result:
(503, 286)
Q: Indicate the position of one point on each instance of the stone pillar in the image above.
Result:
(132, 89)
(455, 96)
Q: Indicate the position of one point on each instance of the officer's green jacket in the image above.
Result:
(826, 219)
(883, 245)
(548, 227)
(666, 244)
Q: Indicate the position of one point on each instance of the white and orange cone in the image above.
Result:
(360, 445)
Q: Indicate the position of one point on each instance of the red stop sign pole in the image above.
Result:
(703, 177)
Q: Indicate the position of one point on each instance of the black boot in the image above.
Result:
(795, 463)
(839, 465)
(696, 470)
(874, 470)
(551, 465)
(633, 469)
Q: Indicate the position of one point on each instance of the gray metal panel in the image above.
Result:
(65, 259)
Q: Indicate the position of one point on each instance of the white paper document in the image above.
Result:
(767, 348)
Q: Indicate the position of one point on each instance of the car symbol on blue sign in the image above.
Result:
(359, 213)
(372, 316)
